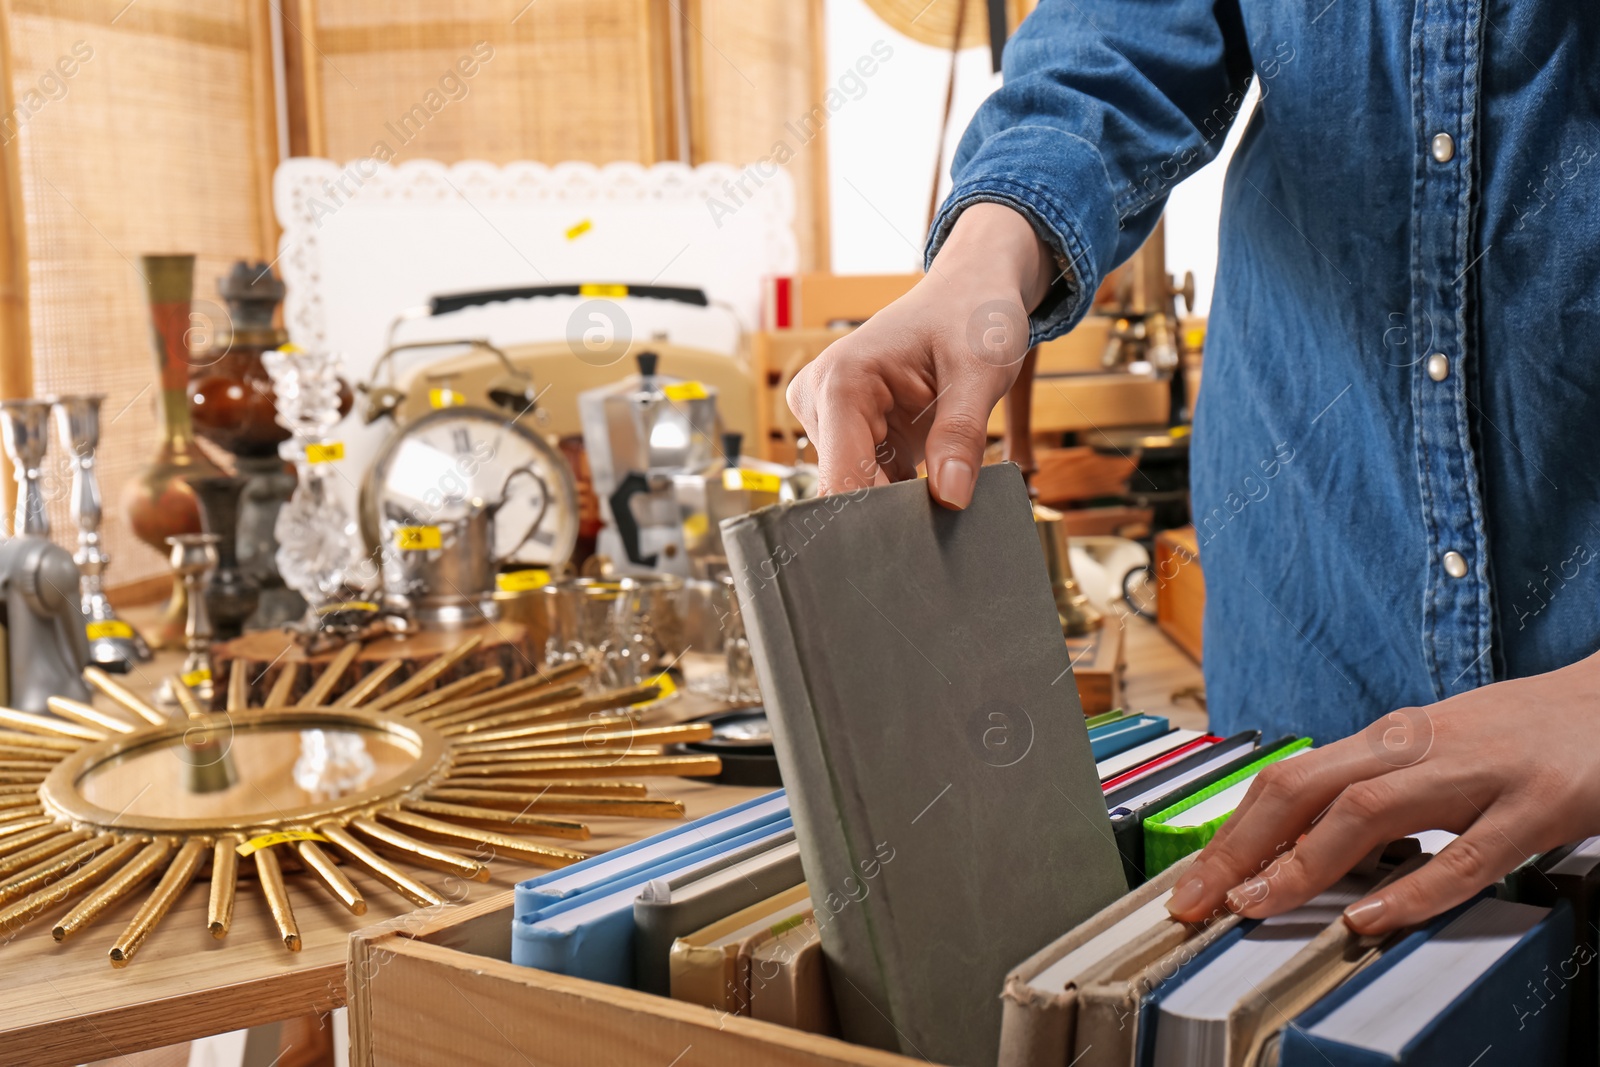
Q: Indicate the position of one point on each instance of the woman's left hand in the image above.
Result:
(1513, 768)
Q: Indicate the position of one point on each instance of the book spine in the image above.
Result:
(1035, 1027)
(757, 559)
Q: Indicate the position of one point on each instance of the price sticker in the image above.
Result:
(417, 538)
(667, 686)
(445, 398)
(685, 391)
(256, 844)
(347, 605)
(522, 581)
(108, 628)
(736, 478)
(602, 290)
(198, 676)
(325, 453)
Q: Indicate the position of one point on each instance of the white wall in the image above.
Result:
(881, 147)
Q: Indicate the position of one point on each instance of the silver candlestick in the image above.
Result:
(113, 644)
(193, 557)
(25, 429)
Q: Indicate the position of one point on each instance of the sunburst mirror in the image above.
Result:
(97, 804)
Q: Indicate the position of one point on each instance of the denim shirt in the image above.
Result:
(1395, 491)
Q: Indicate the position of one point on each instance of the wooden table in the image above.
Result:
(64, 1004)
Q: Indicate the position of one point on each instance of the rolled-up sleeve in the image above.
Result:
(1107, 104)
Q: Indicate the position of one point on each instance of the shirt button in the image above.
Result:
(1438, 366)
(1455, 565)
(1444, 147)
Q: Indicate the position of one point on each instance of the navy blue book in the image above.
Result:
(1490, 987)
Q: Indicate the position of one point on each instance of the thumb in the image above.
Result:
(955, 443)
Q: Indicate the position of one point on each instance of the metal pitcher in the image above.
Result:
(441, 569)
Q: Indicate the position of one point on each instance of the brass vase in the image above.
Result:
(160, 502)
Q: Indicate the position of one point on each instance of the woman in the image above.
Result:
(1408, 289)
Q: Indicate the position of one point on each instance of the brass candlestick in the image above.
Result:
(193, 557)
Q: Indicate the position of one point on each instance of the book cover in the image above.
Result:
(931, 739)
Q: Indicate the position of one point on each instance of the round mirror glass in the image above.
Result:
(247, 773)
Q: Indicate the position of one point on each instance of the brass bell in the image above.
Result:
(1078, 616)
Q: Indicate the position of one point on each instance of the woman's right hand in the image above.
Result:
(917, 381)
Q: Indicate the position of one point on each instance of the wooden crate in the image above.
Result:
(437, 986)
(1180, 588)
(1064, 403)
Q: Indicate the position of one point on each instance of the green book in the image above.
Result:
(1105, 718)
(1175, 832)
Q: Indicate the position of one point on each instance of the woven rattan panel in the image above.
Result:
(753, 96)
(493, 80)
(147, 146)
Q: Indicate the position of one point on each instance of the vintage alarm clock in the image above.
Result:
(454, 496)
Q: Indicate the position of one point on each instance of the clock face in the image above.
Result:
(436, 471)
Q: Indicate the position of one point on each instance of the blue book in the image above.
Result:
(671, 844)
(1490, 987)
(590, 935)
(1122, 735)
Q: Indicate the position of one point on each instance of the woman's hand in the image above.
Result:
(918, 380)
(1514, 768)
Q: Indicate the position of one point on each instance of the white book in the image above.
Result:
(1112, 766)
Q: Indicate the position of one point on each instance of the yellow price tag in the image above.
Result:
(108, 628)
(736, 478)
(256, 844)
(445, 398)
(522, 581)
(347, 605)
(578, 229)
(417, 538)
(602, 290)
(665, 682)
(684, 391)
(198, 676)
(325, 453)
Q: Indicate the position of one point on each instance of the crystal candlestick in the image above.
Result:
(315, 530)
(113, 644)
(25, 428)
(193, 557)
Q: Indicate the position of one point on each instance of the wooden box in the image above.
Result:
(437, 986)
(1180, 588)
(1098, 664)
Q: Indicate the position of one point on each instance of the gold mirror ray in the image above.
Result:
(105, 809)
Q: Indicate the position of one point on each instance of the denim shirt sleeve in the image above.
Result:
(1106, 105)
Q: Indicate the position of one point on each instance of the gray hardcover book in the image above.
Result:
(929, 732)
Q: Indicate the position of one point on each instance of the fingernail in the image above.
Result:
(1252, 890)
(1186, 896)
(955, 483)
(1361, 915)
